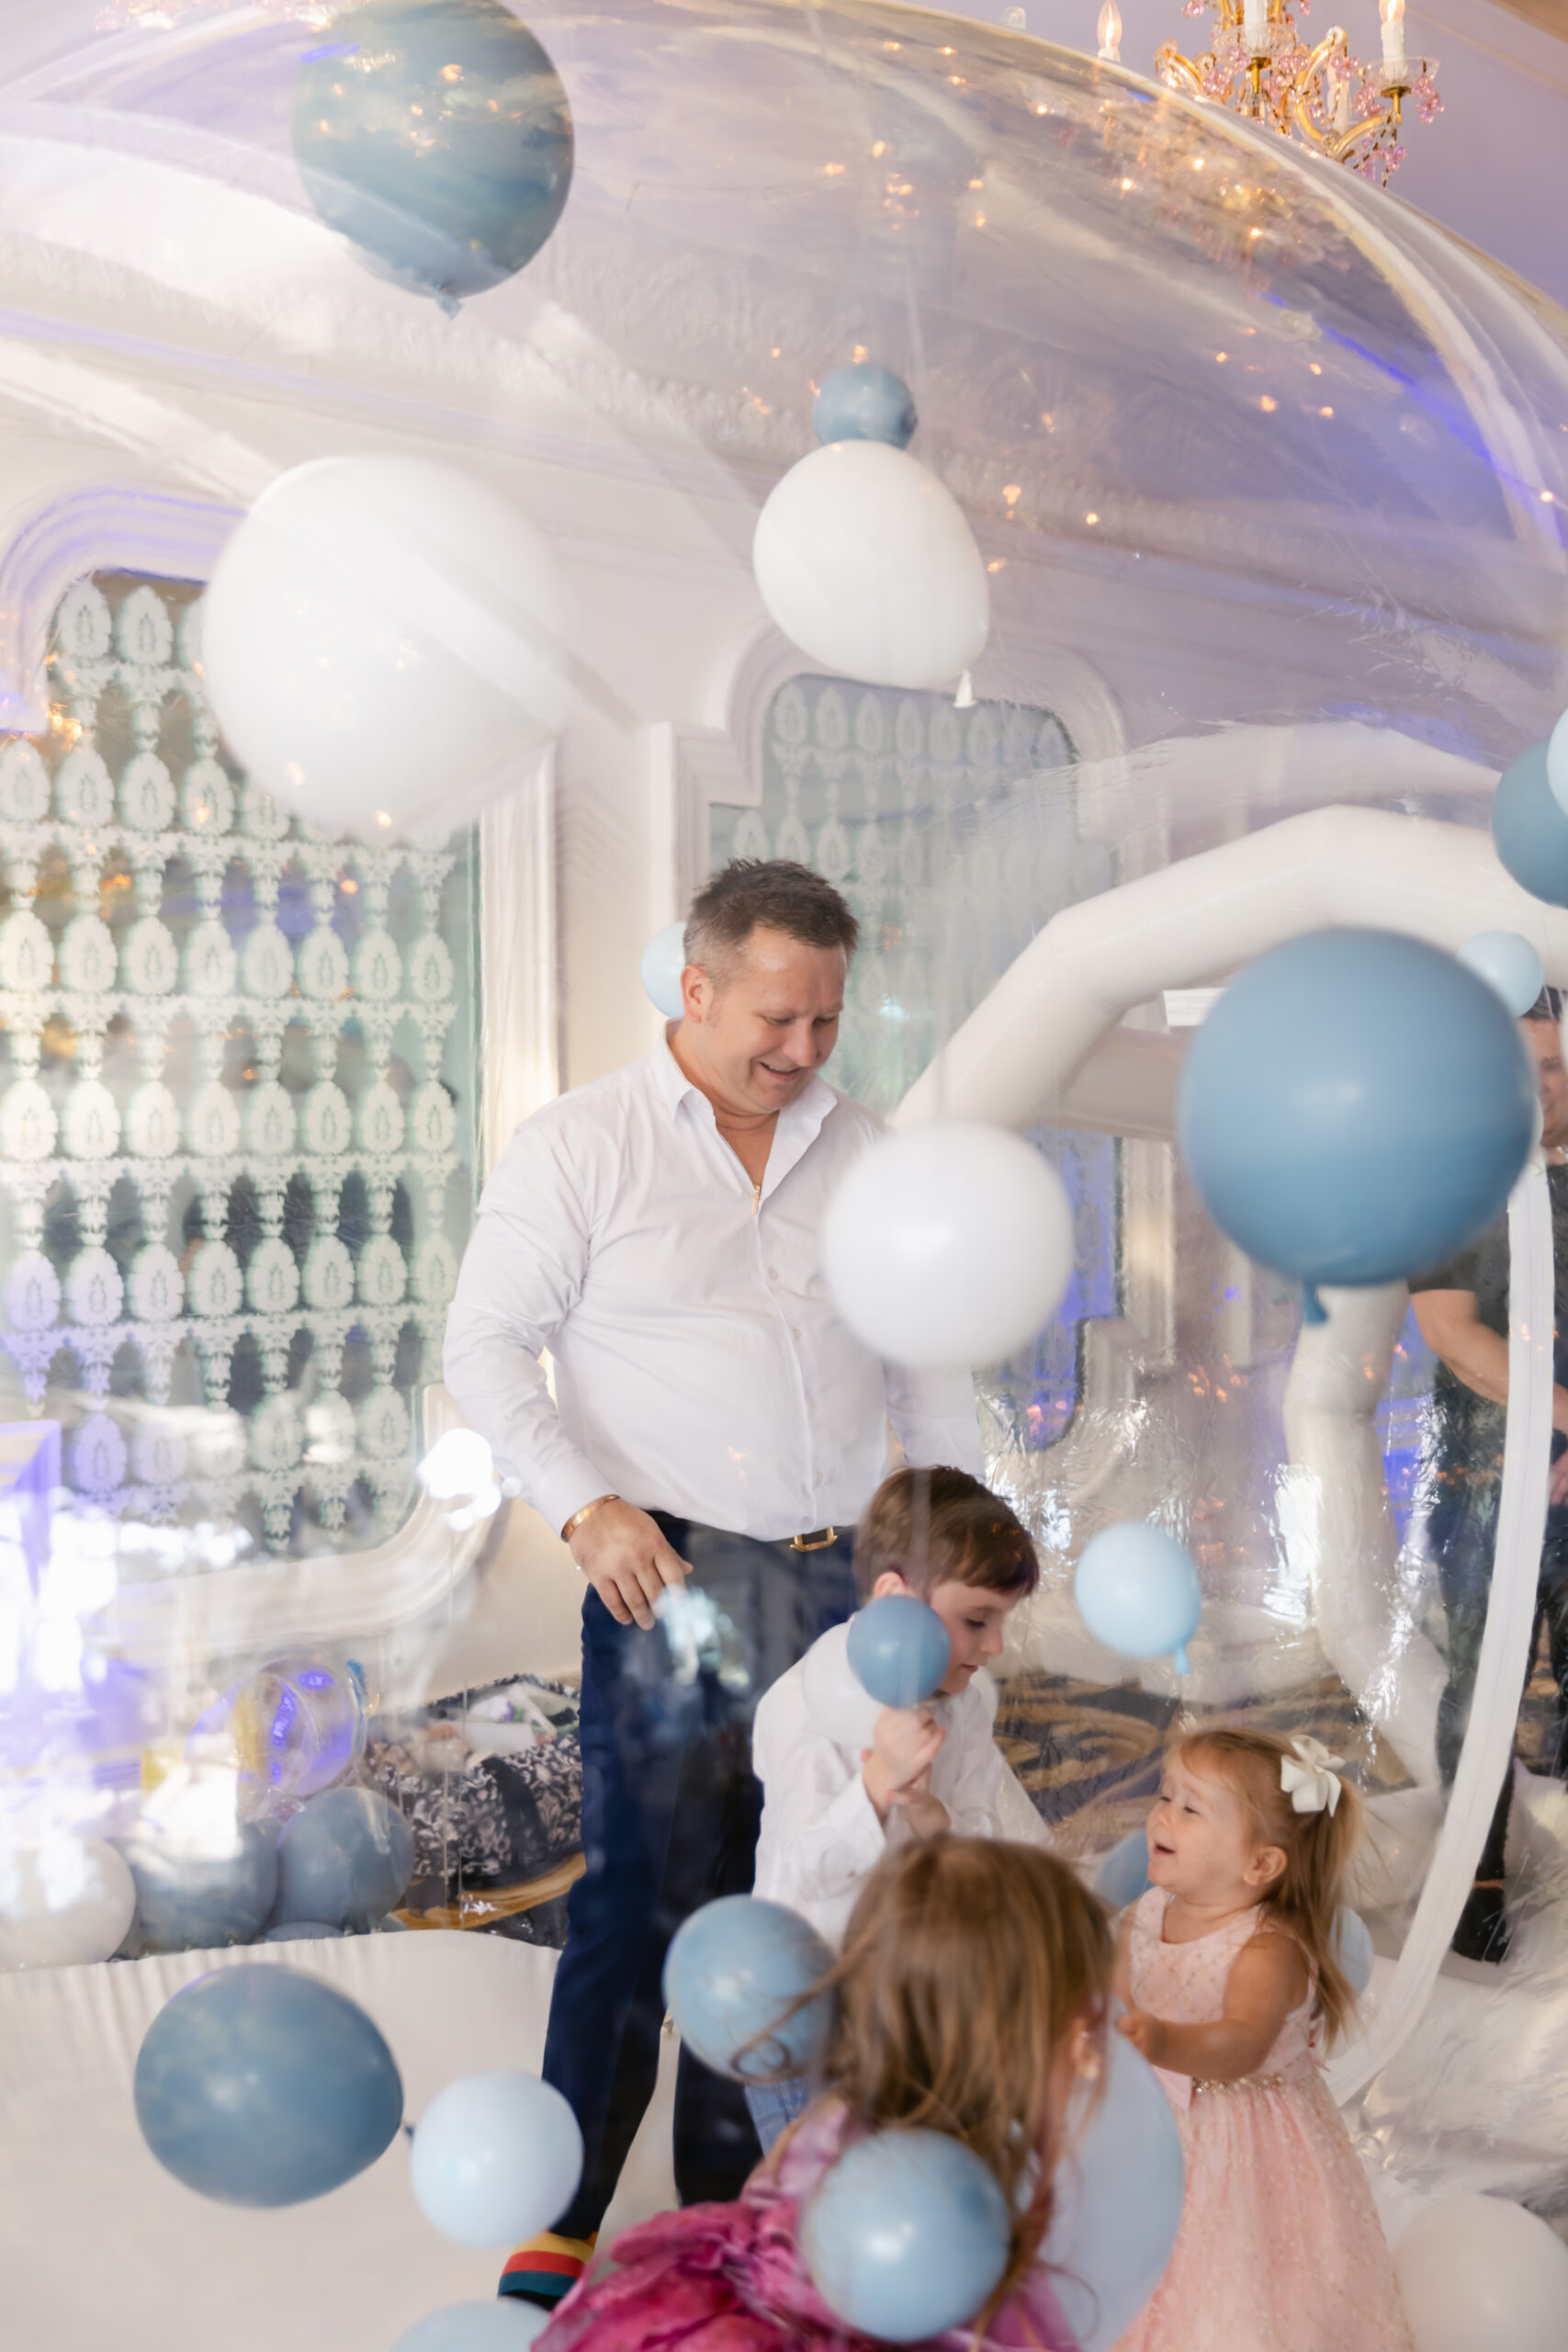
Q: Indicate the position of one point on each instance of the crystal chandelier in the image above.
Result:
(1258, 66)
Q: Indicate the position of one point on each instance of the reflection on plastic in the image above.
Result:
(700, 1639)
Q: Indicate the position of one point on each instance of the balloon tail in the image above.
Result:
(1312, 1307)
(1181, 1660)
(964, 699)
(446, 301)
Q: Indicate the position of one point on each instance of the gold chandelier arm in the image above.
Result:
(1334, 40)
(1178, 73)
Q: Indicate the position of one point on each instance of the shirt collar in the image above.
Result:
(802, 1117)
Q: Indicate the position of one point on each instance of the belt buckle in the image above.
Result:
(818, 1541)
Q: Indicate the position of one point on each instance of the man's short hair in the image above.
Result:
(774, 891)
(941, 1526)
(1548, 1006)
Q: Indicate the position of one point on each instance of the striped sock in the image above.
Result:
(547, 2268)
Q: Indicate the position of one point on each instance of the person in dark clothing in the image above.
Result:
(1462, 1311)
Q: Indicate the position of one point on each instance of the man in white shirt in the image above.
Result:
(656, 1231)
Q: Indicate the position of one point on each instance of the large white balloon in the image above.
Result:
(837, 1700)
(663, 961)
(63, 1902)
(1480, 2271)
(948, 1247)
(386, 642)
(866, 562)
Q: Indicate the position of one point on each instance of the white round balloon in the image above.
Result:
(866, 562)
(948, 1246)
(386, 644)
(1477, 2271)
(837, 1700)
(496, 2157)
(663, 961)
(64, 1902)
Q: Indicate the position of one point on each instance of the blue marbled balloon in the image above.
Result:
(435, 135)
(865, 402)
(345, 1857)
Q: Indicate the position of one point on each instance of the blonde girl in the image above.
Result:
(972, 1991)
(1233, 1990)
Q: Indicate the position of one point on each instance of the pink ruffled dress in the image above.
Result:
(729, 2278)
(1281, 2249)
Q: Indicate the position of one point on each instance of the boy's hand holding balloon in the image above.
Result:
(903, 1746)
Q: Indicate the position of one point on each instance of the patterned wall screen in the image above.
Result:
(237, 1109)
(953, 834)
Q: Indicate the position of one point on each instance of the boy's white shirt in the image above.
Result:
(821, 1836)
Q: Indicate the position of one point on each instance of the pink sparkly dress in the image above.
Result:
(729, 2278)
(1281, 2249)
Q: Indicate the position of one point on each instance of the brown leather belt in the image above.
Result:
(818, 1541)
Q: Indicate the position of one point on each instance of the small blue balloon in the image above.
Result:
(732, 1971)
(434, 135)
(1355, 1107)
(1137, 1591)
(898, 1647)
(189, 1901)
(905, 2236)
(346, 1857)
(1353, 1949)
(504, 2324)
(496, 2157)
(259, 2086)
(865, 402)
(301, 1931)
(1118, 2195)
(663, 961)
(1529, 829)
(1122, 1875)
(1509, 964)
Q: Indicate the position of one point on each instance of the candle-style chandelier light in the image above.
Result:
(1258, 66)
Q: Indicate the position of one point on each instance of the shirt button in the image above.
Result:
(773, 1274)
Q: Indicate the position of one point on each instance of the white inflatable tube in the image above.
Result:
(1505, 1647)
(1015, 1059)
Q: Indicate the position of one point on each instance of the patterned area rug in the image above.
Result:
(1089, 1758)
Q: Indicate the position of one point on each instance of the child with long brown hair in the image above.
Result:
(1230, 1973)
(971, 1993)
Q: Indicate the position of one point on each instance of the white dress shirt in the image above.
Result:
(700, 1367)
(820, 1835)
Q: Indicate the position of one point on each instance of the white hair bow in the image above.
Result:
(1311, 1784)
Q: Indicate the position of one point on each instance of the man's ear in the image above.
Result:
(887, 1582)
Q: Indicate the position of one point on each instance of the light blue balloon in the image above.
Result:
(1355, 1107)
(300, 1931)
(1122, 1875)
(1137, 1591)
(905, 2236)
(1118, 2207)
(504, 2324)
(663, 961)
(732, 1971)
(1353, 1949)
(1530, 830)
(496, 2158)
(187, 1902)
(260, 2085)
(447, 181)
(898, 1648)
(346, 1857)
(865, 402)
(1507, 963)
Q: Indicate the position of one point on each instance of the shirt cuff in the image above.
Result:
(569, 1483)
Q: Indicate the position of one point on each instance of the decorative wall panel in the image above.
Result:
(953, 834)
(236, 1122)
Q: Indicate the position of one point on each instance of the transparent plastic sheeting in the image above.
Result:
(1269, 476)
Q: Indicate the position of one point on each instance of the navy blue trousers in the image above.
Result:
(670, 1810)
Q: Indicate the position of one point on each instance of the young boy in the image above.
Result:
(830, 1810)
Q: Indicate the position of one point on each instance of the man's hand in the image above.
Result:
(625, 1557)
(904, 1747)
(1557, 1485)
(1145, 2032)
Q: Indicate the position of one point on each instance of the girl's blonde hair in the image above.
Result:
(968, 1963)
(1317, 1846)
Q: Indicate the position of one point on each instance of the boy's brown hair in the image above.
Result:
(942, 1526)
